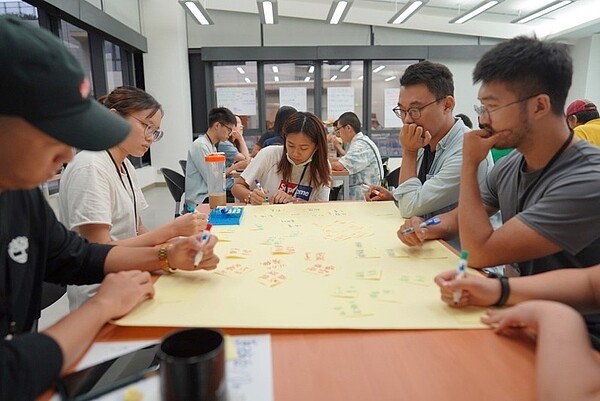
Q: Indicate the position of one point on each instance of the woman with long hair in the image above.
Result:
(298, 171)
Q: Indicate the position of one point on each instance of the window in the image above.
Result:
(342, 89)
(113, 67)
(19, 9)
(76, 39)
(289, 84)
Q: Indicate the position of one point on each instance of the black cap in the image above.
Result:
(42, 82)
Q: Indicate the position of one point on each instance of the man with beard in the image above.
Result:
(547, 191)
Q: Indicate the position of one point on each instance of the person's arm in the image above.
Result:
(242, 146)
(186, 225)
(567, 368)
(579, 288)
(336, 165)
(116, 296)
(446, 229)
(514, 240)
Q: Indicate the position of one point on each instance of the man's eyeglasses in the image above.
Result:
(150, 132)
(229, 129)
(413, 112)
(338, 129)
(482, 111)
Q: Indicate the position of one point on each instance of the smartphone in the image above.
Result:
(107, 376)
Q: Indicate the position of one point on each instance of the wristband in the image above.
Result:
(504, 291)
(163, 260)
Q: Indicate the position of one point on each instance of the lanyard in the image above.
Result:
(521, 200)
(299, 181)
(130, 184)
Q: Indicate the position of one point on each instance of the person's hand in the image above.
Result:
(477, 144)
(237, 134)
(189, 224)
(258, 197)
(120, 292)
(241, 164)
(413, 137)
(183, 251)
(378, 193)
(282, 197)
(416, 237)
(476, 291)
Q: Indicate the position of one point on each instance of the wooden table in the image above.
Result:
(348, 365)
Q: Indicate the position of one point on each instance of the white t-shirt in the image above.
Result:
(91, 192)
(264, 169)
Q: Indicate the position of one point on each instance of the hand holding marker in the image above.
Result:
(261, 189)
(460, 273)
(365, 188)
(203, 240)
(431, 222)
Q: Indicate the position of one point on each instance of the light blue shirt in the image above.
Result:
(363, 162)
(439, 192)
(196, 173)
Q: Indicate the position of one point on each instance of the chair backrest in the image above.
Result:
(183, 164)
(393, 177)
(175, 182)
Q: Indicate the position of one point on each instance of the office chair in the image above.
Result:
(183, 164)
(176, 184)
(392, 178)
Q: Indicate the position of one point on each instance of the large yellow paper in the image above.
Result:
(328, 265)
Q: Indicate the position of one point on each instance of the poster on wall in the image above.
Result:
(241, 101)
(295, 97)
(390, 100)
(339, 101)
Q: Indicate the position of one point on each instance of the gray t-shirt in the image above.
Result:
(562, 205)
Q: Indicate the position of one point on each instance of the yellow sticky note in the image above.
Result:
(345, 292)
(386, 295)
(372, 274)
(237, 253)
(282, 250)
(350, 309)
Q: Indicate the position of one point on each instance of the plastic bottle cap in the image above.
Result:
(464, 254)
(215, 157)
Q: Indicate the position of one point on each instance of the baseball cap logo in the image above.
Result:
(85, 88)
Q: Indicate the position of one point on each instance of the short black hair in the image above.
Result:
(437, 77)
(529, 66)
(351, 119)
(281, 117)
(221, 115)
(586, 115)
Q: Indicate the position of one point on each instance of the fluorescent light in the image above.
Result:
(276, 78)
(360, 78)
(475, 11)
(344, 67)
(306, 79)
(338, 11)
(275, 69)
(267, 9)
(311, 69)
(405, 12)
(390, 78)
(195, 9)
(381, 67)
(241, 70)
(542, 11)
(333, 78)
(247, 80)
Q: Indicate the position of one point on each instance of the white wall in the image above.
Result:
(586, 70)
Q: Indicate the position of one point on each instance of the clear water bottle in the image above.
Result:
(215, 163)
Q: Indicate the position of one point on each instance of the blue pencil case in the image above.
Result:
(226, 216)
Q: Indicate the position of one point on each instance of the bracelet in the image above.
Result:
(504, 291)
(163, 260)
(247, 200)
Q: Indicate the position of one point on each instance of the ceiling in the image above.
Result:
(574, 21)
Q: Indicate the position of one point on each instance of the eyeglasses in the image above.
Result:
(150, 132)
(338, 129)
(413, 112)
(482, 111)
(230, 130)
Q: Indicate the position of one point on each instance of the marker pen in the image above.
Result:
(261, 189)
(431, 222)
(203, 240)
(460, 273)
(365, 188)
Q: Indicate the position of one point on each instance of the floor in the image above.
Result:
(161, 211)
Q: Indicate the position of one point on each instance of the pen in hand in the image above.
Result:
(460, 273)
(203, 240)
(261, 189)
(365, 188)
(431, 222)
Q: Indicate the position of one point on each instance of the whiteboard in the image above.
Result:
(241, 101)
(295, 97)
(339, 101)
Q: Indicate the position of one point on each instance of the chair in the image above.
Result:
(183, 164)
(393, 177)
(176, 184)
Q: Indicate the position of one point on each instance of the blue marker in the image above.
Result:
(431, 222)
(203, 240)
(460, 273)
